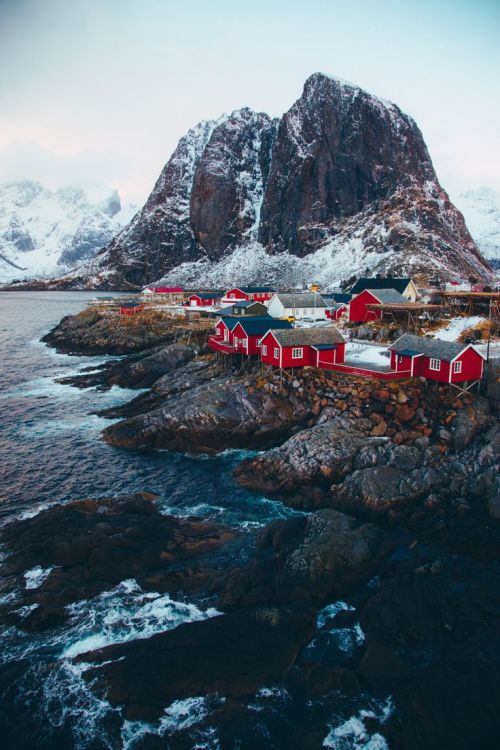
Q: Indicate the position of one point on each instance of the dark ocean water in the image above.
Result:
(51, 452)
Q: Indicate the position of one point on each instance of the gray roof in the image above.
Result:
(309, 336)
(388, 296)
(301, 300)
(437, 348)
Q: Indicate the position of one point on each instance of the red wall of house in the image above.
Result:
(219, 330)
(405, 364)
(269, 358)
(357, 309)
(421, 367)
(308, 357)
(251, 341)
(472, 366)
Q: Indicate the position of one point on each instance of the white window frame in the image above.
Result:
(457, 367)
(264, 350)
(276, 352)
(434, 364)
(400, 358)
(226, 334)
(297, 352)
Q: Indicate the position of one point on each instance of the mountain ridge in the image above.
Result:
(341, 184)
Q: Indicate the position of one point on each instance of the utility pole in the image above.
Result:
(489, 332)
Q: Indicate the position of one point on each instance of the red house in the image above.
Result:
(434, 359)
(358, 309)
(203, 299)
(222, 339)
(238, 294)
(168, 289)
(242, 335)
(248, 332)
(300, 347)
(335, 311)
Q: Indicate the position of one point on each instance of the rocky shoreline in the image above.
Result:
(399, 490)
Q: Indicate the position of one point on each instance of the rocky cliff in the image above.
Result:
(341, 184)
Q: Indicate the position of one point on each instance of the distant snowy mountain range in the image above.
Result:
(481, 209)
(45, 233)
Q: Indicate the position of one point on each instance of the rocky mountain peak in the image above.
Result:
(341, 184)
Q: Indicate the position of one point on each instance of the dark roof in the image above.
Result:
(253, 289)
(247, 303)
(257, 326)
(388, 296)
(230, 322)
(207, 295)
(309, 336)
(436, 348)
(308, 299)
(345, 298)
(388, 283)
(325, 346)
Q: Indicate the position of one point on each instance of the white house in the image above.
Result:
(299, 306)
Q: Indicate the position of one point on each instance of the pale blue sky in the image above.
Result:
(103, 89)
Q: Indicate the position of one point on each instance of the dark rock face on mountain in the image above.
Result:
(342, 172)
(228, 183)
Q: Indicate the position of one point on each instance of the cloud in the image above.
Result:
(21, 160)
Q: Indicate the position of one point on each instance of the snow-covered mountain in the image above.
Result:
(481, 209)
(342, 184)
(45, 233)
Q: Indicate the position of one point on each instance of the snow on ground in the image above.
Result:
(456, 326)
(366, 353)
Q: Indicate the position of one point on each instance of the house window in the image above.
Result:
(457, 367)
(264, 350)
(276, 353)
(297, 353)
(435, 364)
(226, 334)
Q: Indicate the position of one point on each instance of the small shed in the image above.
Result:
(203, 299)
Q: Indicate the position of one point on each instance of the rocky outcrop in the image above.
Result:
(432, 627)
(89, 546)
(92, 333)
(137, 370)
(210, 418)
(343, 179)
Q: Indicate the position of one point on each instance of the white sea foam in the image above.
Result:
(36, 576)
(127, 613)
(353, 734)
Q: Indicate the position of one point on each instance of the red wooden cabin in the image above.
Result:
(248, 332)
(257, 293)
(203, 299)
(358, 310)
(300, 347)
(222, 339)
(434, 359)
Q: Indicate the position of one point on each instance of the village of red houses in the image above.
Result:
(446, 333)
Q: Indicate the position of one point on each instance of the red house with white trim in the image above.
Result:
(299, 347)
(242, 293)
(203, 299)
(434, 359)
(358, 310)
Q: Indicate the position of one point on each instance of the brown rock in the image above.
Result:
(404, 413)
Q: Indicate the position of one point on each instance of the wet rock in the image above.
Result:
(137, 371)
(211, 418)
(92, 545)
(299, 465)
(233, 655)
